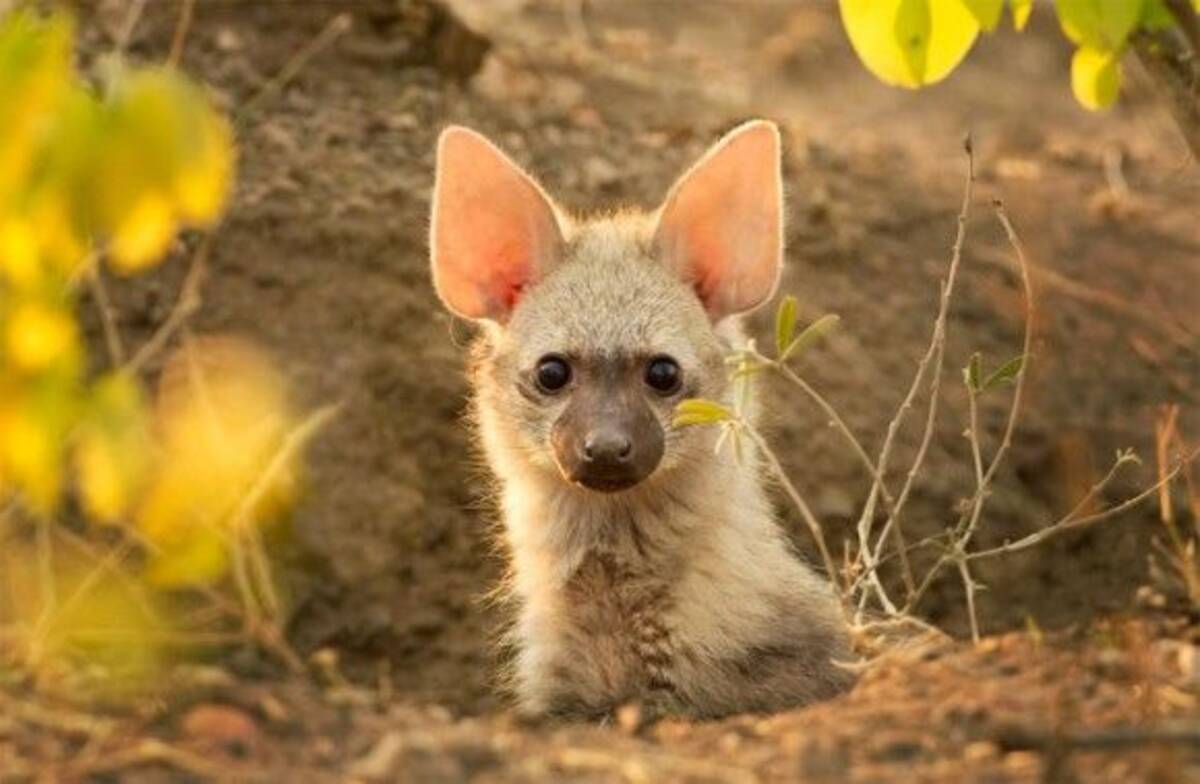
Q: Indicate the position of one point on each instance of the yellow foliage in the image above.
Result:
(1095, 77)
(31, 439)
(143, 233)
(1099, 24)
(39, 336)
(1021, 9)
(19, 257)
(221, 421)
(95, 614)
(113, 449)
(909, 43)
(202, 186)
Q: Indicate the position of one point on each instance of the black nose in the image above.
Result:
(607, 447)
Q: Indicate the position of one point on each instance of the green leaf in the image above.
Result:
(909, 43)
(1005, 374)
(1021, 9)
(1095, 77)
(986, 12)
(697, 411)
(785, 325)
(1156, 15)
(972, 373)
(1099, 24)
(812, 333)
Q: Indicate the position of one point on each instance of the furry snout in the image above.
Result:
(607, 443)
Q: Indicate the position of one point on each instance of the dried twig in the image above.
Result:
(108, 314)
(1050, 279)
(182, 26)
(932, 361)
(132, 16)
(188, 303)
(334, 29)
(794, 496)
(1071, 524)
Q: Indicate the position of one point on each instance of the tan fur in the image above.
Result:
(681, 592)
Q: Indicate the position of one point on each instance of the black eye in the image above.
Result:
(553, 373)
(663, 375)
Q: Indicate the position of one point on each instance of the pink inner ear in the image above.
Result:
(721, 225)
(494, 232)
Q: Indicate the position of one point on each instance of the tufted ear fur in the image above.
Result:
(493, 230)
(721, 226)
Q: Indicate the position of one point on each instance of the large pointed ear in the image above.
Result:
(721, 227)
(493, 231)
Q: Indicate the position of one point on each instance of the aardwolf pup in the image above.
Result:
(646, 566)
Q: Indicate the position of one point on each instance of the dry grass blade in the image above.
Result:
(797, 500)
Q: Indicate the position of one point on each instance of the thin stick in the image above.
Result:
(1049, 279)
(136, 7)
(188, 303)
(1061, 527)
(1014, 411)
(108, 316)
(857, 447)
(111, 561)
(186, 9)
(1037, 538)
(933, 357)
(1189, 22)
(793, 494)
(334, 29)
(240, 519)
(969, 586)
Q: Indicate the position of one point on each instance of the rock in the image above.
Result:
(221, 727)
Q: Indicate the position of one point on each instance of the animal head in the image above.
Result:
(596, 328)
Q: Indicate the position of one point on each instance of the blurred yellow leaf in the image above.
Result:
(113, 448)
(35, 64)
(100, 616)
(1099, 24)
(202, 186)
(193, 557)
(144, 234)
(1021, 9)
(1095, 77)
(30, 450)
(222, 419)
(19, 252)
(909, 43)
(986, 12)
(39, 336)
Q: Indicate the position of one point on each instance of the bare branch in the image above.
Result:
(931, 362)
(1067, 524)
(186, 9)
(794, 496)
(334, 29)
(188, 303)
(108, 314)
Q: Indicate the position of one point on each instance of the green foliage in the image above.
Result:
(1005, 374)
(913, 43)
(787, 342)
